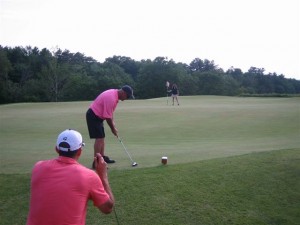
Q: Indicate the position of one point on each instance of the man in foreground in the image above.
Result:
(102, 108)
(61, 187)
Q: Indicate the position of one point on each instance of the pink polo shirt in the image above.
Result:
(60, 190)
(105, 104)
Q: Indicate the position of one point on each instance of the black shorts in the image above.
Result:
(95, 125)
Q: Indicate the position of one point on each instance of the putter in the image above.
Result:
(133, 162)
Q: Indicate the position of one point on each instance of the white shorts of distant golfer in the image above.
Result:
(174, 96)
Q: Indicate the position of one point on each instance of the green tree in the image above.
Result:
(198, 65)
(5, 83)
(129, 65)
(153, 76)
(28, 74)
(209, 83)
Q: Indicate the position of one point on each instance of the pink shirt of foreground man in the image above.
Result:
(61, 187)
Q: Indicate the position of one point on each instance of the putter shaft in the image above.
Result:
(133, 163)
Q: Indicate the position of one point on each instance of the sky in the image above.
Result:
(232, 33)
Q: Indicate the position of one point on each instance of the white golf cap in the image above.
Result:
(69, 140)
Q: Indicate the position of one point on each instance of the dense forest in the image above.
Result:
(28, 74)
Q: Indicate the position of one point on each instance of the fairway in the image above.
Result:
(202, 127)
(231, 160)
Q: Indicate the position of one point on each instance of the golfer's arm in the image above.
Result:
(110, 123)
(109, 204)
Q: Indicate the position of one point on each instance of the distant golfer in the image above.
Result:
(175, 93)
(61, 187)
(102, 108)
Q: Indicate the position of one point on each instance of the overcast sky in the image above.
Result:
(238, 33)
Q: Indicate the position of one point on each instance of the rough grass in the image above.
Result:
(257, 188)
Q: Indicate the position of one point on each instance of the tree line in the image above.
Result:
(28, 74)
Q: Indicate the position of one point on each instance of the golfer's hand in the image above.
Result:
(100, 166)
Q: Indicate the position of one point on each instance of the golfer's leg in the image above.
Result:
(99, 146)
(177, 100)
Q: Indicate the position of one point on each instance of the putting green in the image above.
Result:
(202, 127)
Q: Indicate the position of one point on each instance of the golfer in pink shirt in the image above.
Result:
(61, 187)
(102, 108)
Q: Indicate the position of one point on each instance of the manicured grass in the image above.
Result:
(232, 160)
(202, 127)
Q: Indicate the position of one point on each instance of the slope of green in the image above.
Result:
(202, 127)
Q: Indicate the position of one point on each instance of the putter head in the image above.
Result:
(134, 164)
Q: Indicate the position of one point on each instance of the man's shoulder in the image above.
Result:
(86, 170)
(109, 91)
(44, 162)
(86, 174)
(109, 96)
